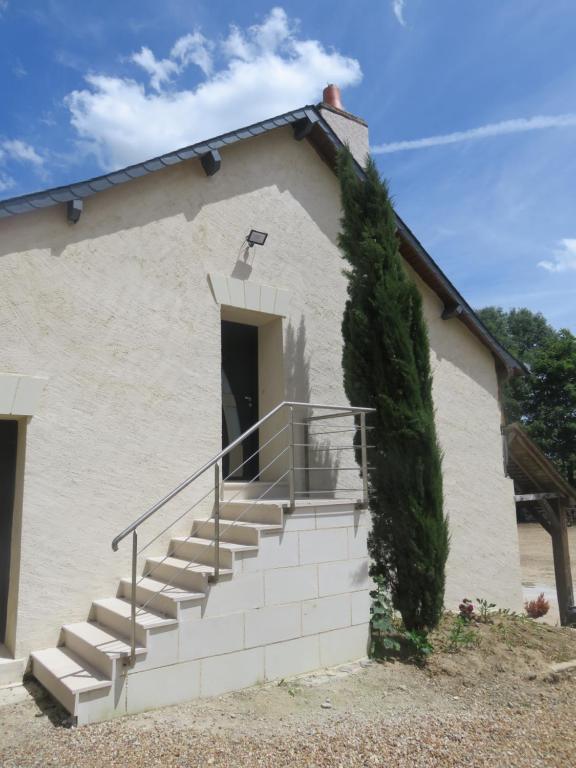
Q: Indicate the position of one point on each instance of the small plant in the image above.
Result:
(485, 609)
(290, 688)
(461, 636)
(537, 608)
(420, 644)
(382, 625)
(466, 609)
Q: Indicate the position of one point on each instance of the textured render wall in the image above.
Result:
(117, 312)
(484, 556)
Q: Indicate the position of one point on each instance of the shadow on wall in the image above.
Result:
(315, 455)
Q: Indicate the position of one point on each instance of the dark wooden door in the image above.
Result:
(240, 398)
(8, 444)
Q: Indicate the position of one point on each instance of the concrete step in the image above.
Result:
(182, 573)
(159, 595)
(254, 490)
(115, 612)
(266, 513)
(204, 551)
(232, 531)
(66, 675)
(99, 646)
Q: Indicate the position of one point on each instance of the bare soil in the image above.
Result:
(492, 701)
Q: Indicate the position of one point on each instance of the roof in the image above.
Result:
(306, 122)
(530, 469)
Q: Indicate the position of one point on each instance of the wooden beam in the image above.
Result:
(211, 162)
(534, 496)
(562, 571)
(303, 127)
(450, 311)
(74, 210)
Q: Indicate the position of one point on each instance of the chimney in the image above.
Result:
(350, 129)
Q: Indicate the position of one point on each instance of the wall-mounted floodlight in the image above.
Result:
(256, 238)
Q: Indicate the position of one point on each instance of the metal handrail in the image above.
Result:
(185, 483)
(335, 411)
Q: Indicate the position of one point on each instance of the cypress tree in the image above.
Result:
(386, 362)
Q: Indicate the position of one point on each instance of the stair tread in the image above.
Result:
(187, 565)
(170, 590)
(231, 546)
(102, 638)
(144, 617)
(72, 671)
(242, 524)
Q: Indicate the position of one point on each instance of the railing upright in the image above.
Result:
(291, 477)
(364, 452)
(133, 600)
(216, 574)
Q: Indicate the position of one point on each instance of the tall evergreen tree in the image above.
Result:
(386, 366)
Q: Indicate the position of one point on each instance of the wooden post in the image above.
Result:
(562, 572)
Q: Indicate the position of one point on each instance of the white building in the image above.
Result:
(139, 333)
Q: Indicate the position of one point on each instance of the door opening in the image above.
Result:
(240, 399)
(8, 447)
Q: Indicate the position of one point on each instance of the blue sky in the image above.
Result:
(471, 106)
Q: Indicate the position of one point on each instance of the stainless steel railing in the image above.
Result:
(308, 442)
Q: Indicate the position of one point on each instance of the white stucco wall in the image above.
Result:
(117, 312)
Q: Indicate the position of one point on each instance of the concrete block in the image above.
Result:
(272, 625)
(344, 645)
(164, 686)
(288, 585)
(275, 551)
(323, 546)
(325, 614)
(244, 592)
(361, 602)
(231, 672)
(302, 519)
(357, 542)
(211, 637)
(336, 518)
(293, 657)
(343, 576)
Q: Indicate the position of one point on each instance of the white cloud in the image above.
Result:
(398, 8)
(6, 182)
(564, 257)
(255, 73)
(519, 125)
(14, 149)
(190, 49)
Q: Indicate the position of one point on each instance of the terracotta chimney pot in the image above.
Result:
(331, 96)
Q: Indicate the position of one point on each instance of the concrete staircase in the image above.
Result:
(292, 597)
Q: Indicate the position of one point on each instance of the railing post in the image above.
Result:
(216, 575)
(133, 600)
(291, 478)
(364, 451)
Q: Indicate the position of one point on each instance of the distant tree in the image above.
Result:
(386, 366)
(551, 416)
(524, 334)
(545, 400)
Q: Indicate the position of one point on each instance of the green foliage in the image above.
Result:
(545, 401)
(420, 644)
(461, 635)
(485, 609)
(386, 366)
(382, 627)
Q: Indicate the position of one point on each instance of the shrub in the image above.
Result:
(466, 610)
(537, 608)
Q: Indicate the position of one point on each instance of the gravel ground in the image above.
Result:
(495, 704)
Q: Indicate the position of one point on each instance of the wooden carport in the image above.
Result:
(539, 487)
